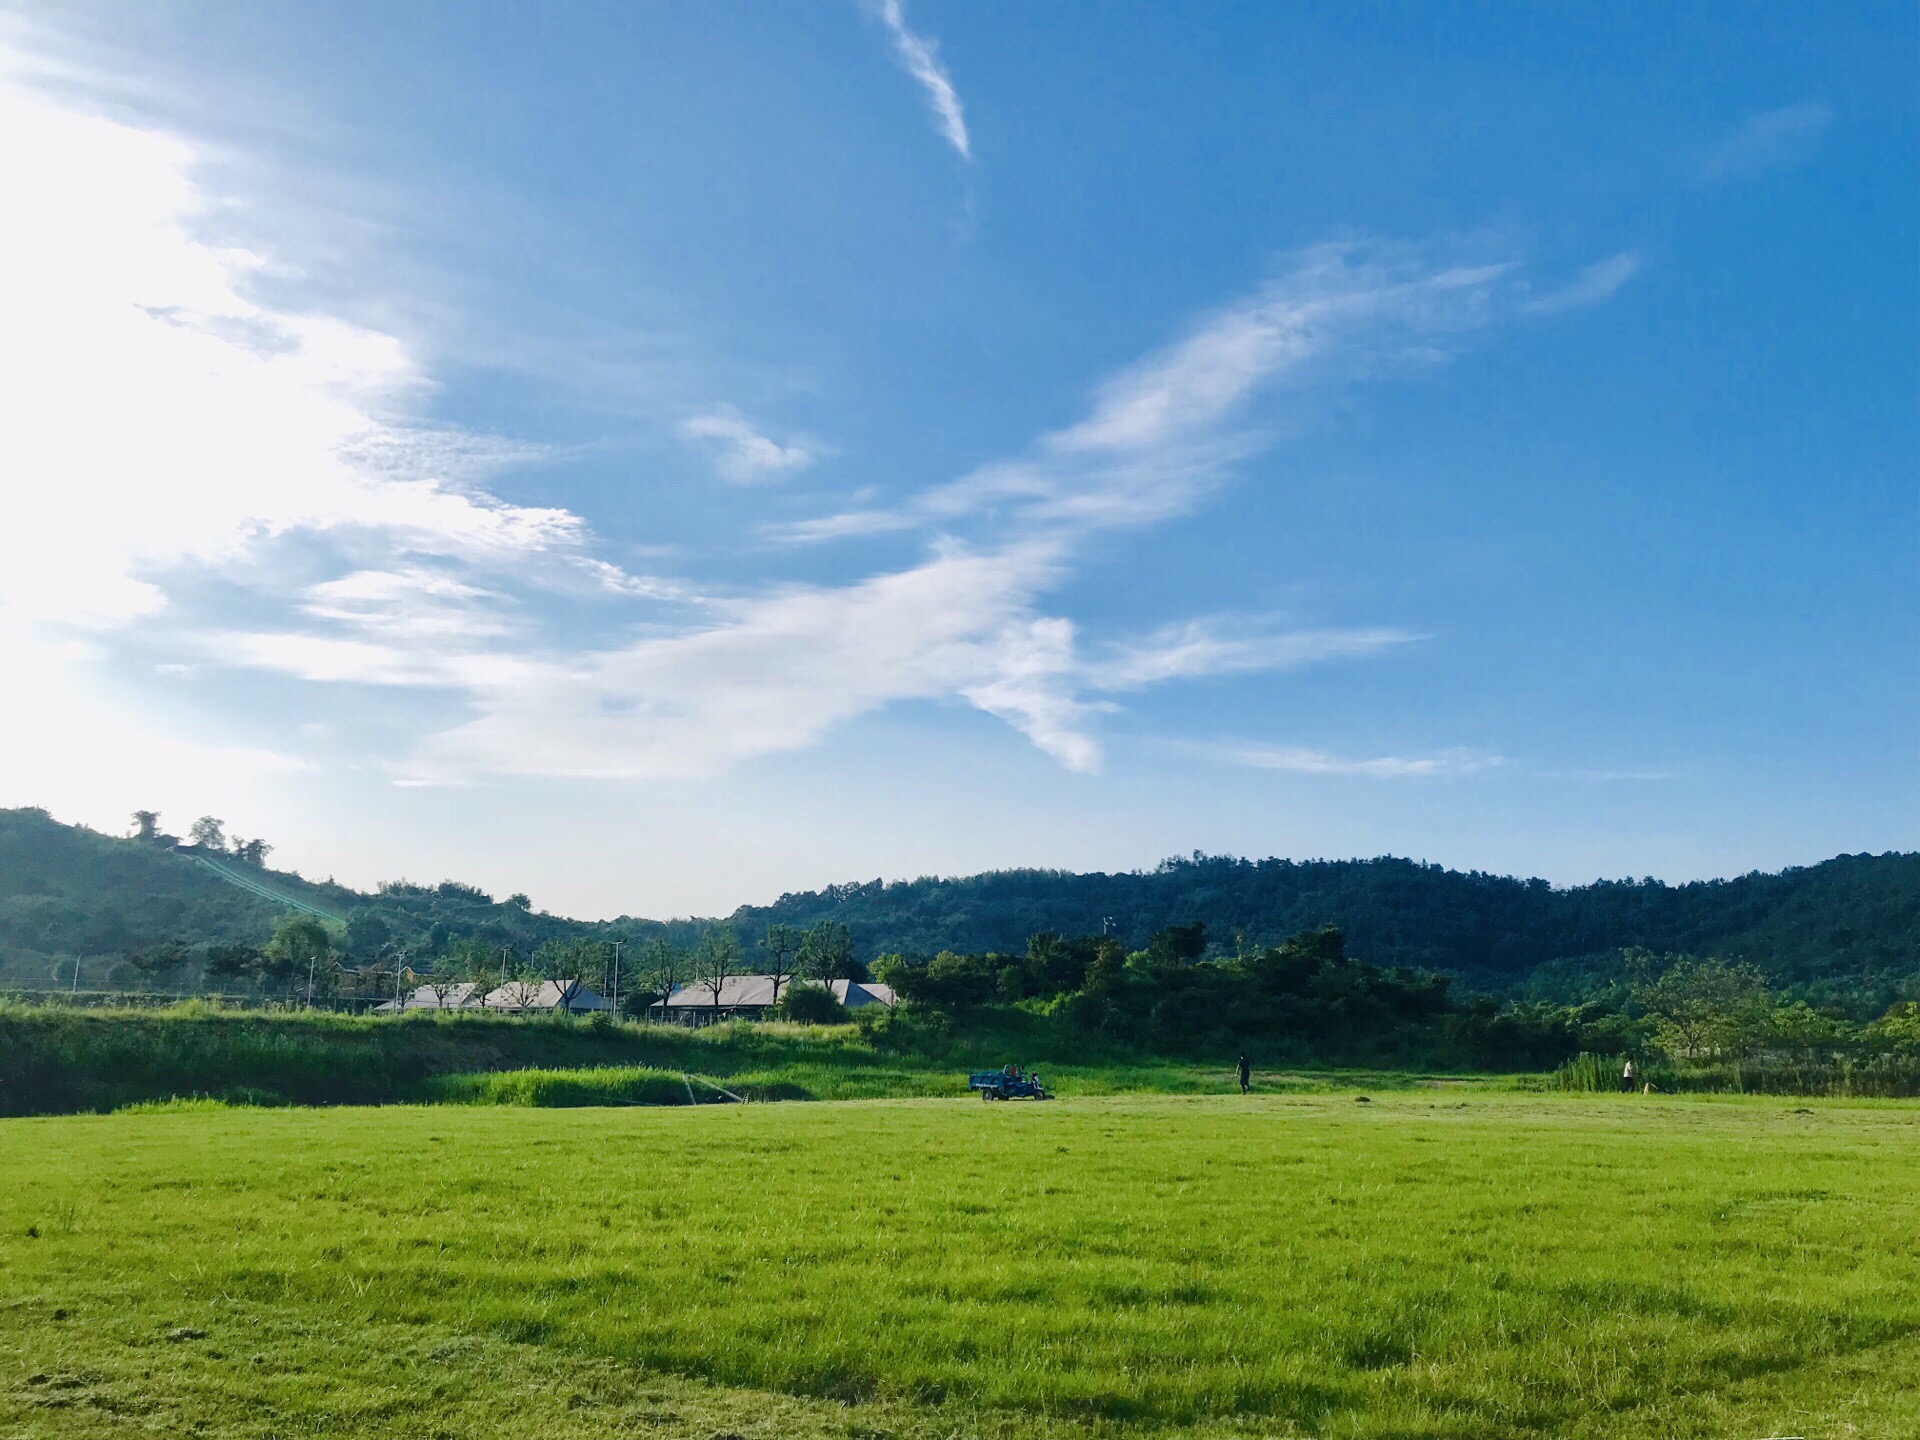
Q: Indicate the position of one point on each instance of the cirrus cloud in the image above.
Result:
(921, 57)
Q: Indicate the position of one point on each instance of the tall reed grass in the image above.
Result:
(1890, 1076)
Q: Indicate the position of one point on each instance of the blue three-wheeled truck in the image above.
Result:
(1010, 1083)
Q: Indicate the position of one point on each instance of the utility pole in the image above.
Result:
(618, 946)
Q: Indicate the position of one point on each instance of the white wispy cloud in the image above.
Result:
(1234, 646)
(1164, 432)
(741, 453)
(921, 56)
(411, 604)
(283, 455)
(841, 525)
(774, 672)
(1773, 139)
(1597, 283)
(1303, 761)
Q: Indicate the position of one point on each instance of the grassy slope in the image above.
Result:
(1433, 1264)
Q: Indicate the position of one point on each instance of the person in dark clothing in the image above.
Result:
(1246, 1074)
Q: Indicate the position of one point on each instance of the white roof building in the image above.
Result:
(522, 996)
(751, 996)
(517, 997)
(463, 996)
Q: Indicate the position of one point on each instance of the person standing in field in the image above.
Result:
(1246, 1074)
(1626, 1077)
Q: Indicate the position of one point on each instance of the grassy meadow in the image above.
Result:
(1437, 1262)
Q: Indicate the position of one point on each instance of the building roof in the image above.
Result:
(739, 991)
(468, 996)
(547, 995)
(422, 997)
(853, 994)
(755, 992)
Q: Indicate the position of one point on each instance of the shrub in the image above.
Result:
(604, 1085)
(810, 1005)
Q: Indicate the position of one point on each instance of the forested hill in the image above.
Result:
(1852, 921)
(1850, 916)
(65, 889)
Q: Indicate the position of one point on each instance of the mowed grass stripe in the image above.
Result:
(1426, 1265)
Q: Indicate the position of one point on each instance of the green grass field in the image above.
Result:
(1438, 1262)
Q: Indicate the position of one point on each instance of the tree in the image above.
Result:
(301, 951)
(782, 944)
(209, 833)
(1180, 942)
(519, 901)
(1899, 1028)
(253, 852)
(889, 970)
(484, 966)
(146, 825)
(662, 967)
(362, 981)
(1706, 1007)
(572, 963)
(826, 953)
(1057, 966)
(1806, 1032)
(240, 963)
(949, 981)
(367, 934)
(444, 983)
(521, 979)
(160, 962)
(716, 960)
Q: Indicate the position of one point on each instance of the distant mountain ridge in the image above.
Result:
(1852, 921)
(1852, 915)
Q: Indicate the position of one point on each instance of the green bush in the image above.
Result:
(810, 1005)
(603, 1085)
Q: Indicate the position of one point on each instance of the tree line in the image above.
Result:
(1303, 1000)
(208, 833)
(1844, 932)
(308, 960)
(1307, 999)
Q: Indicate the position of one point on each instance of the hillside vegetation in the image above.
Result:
(1852, 916)
(1846, 930)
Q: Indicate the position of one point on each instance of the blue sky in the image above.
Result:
(661, 456)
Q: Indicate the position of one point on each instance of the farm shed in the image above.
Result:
(516, 997)
(749, 997)
(463, 996)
